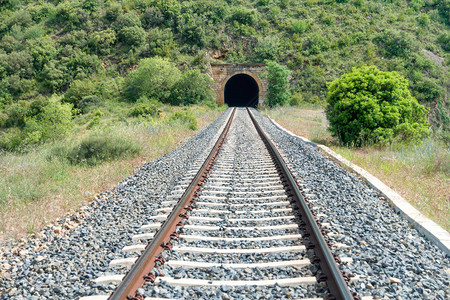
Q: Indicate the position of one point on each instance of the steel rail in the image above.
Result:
(136, 277)
(337, 285)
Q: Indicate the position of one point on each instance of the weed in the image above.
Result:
(100, 148)
(184, 117)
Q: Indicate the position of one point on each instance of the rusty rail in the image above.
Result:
(140, 272)
(337, 285)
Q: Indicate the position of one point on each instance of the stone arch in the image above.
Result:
(255, 78)
(221, 73)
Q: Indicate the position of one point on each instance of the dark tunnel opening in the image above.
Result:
(241, 90)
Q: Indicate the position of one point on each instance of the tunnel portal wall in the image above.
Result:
(222, 72)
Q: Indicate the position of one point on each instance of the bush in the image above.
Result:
(369, 106)
(101, 41)
(299, 26)
(395, 43)
(184, 117)
(142, 110)
(444, 41)
(53, 121)
(35, 122)
(268, 47)
(278, 92)
(193, 87)
(133, 36)
(153, 78)
(428, 90)
(79, 89)
(245, 16)
(89, 102)
(96, 149)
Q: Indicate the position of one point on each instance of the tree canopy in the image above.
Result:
(367, 106)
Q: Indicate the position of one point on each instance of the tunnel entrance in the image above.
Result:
(241, 90)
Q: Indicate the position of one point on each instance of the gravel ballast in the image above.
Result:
(392, 259)
(64, 260)
(240, 160)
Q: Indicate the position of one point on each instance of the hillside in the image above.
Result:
(47, 47)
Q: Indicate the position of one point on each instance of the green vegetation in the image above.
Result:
(96, 149)
(67, 173)
(154, 78)
(368, 106)
(70, 70)
(31, 122)
(278, 78)
(91, 53)
(419, 172)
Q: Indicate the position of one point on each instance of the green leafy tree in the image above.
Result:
(245, 16)
(278, 92)
(42, 50)
(132, 36)
(101, 41)
(161, 42)
(129, 19)
(77, 90)
(51, 77)
(153, 78)
(193, 87)
(369, 106)
(52, 121)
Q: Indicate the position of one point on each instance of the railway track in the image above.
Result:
(240, 228)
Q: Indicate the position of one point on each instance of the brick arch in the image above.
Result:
(222, 72)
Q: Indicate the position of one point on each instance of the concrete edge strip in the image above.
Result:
(432, 231)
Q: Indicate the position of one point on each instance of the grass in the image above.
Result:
(419, 173)
(35, 190)
(307, 121)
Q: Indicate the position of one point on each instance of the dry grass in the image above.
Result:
(35, 191)
(420, 174)
(310, 123)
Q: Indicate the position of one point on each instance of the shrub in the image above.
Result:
(278, 92)
(89, 102)
(35, 122)
(428, 90)
(113, 11)
(129, 19)
(102, 41)
(395, 43)
(192, 88)
(369, 106)
(299, 26)
(184, 117)
(153, 78)
(94, 122)
(77, 90)
(132, 36)
(52, 77)
(53, 121)
(96, 149)
(161, 42)
(444, 41)
(142, 110)
(317, 43)
(245, 16)
(268, 47)
(296, 99)
(444, 10)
